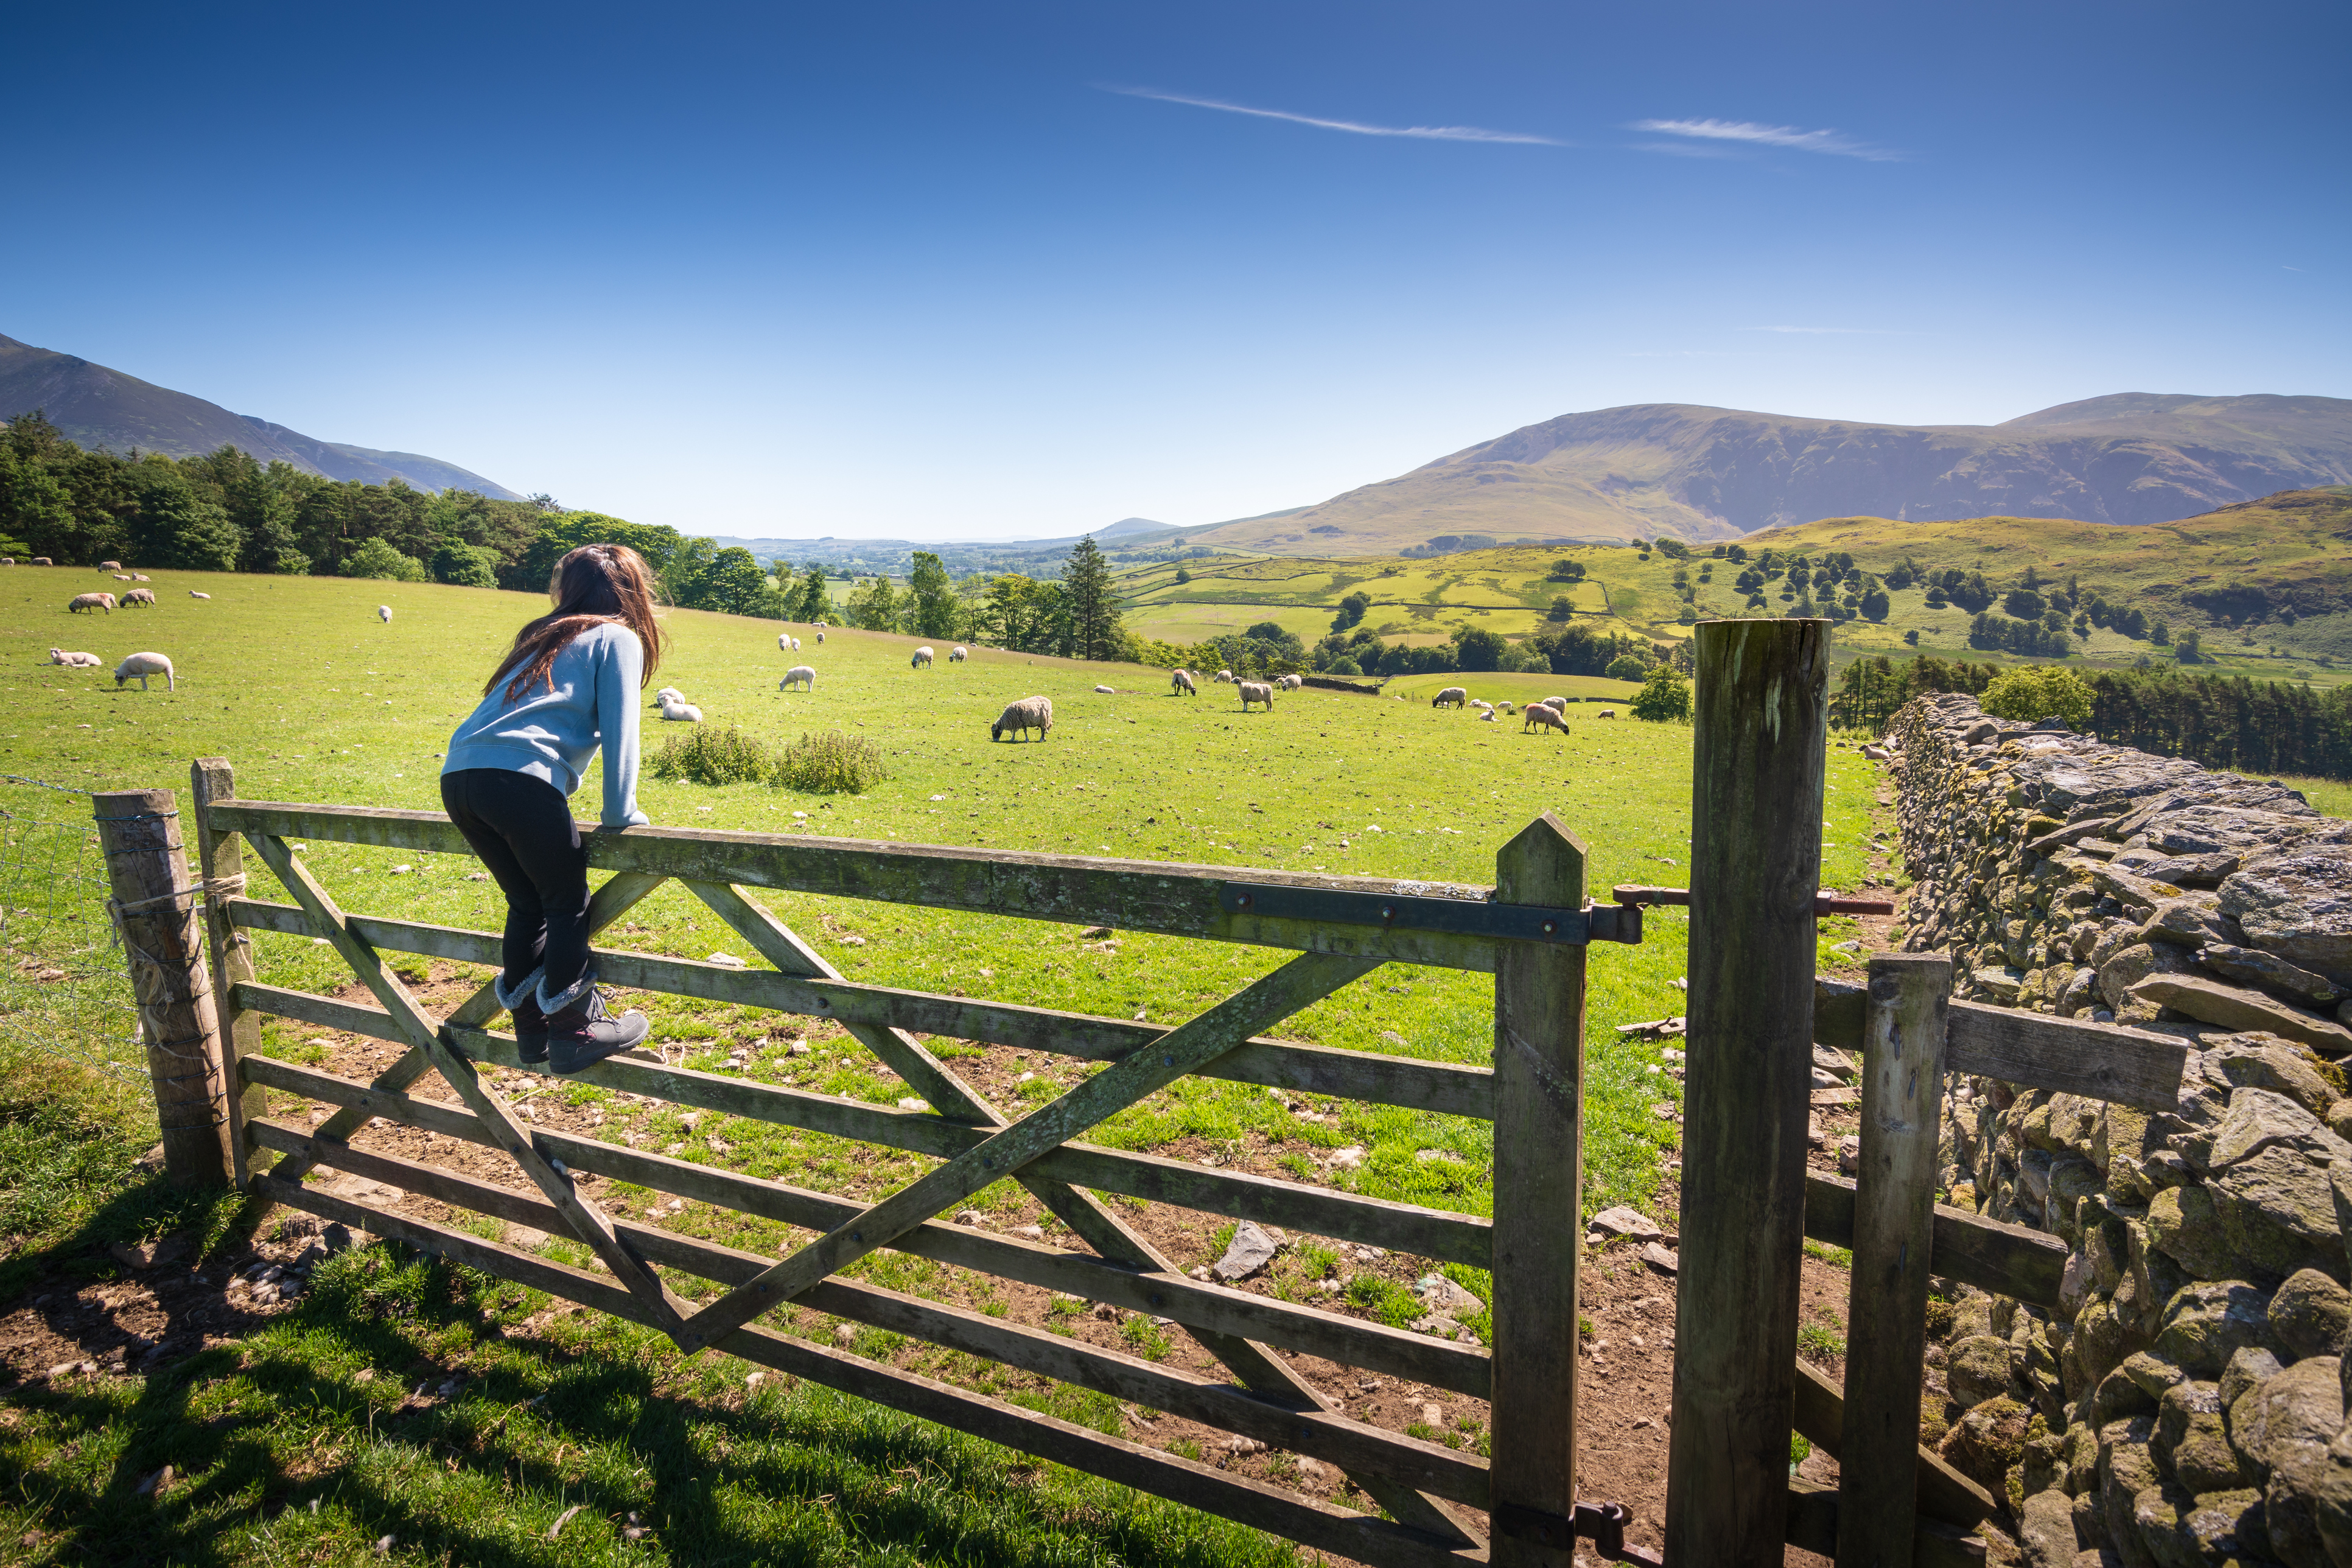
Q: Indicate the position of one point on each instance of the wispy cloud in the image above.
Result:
(1419, 132)
(1786, 136)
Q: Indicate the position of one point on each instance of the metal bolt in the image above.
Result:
(1550, 928)
(1242, 900)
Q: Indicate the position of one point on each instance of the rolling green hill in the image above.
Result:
(1708, 474)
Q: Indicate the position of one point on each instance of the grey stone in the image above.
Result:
(1977, 1369)
(2184, 1225)
(2279, 1213)
(2291, 1501)
(2272, 974)
(2259, 1118)
(1250, 1250)
(2118, 1396)
(2000, 984)
(2297, 903)
(1623, 1221)
(2210, 1321)
(1440, 1294)
(2310, 1313)
(2182, 1530)
(2045, 1530)
(2249, 1367)
(2330, 1493)
(2155, 1375)
(2130, 965)
(2190, 920)
(1833, 1062)
(2265, 1061)
(2126, 1468)
(2192, 1439)
(2193, 871)
(2235, 1008)
(2303, 1404)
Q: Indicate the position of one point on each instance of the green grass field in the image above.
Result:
(296, 681)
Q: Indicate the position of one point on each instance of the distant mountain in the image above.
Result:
(96, 407)
(1718, 473)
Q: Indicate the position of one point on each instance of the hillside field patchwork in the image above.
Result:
(313, 699)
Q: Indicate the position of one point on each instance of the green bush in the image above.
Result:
(713, 754)
(375, 558)
(1625, 667)
(829, 763)
(1664, 696)
(467, 565)
(2037, 692)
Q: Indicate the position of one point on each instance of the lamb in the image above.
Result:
(922, 659)
(193, 595)
(1224, 675)
(140, 577)
(1255, 692)
(787, 643)
(144, 665)
(383, 614)
(801, 674)
(675, 706)
(122, 576)
(1482, 702)
(819, 636)
(1542, 716)
(1453, 696)
(958, 654)
(73, 661)
(1029, 713)
(670, 694)
(1487, 716)
(81, 601)
(1108, 690)
(1181, 681)
(1607, 713)
(139, 596)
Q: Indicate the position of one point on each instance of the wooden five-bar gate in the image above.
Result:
(1748, 1199)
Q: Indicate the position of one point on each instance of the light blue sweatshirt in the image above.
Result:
(552, 735)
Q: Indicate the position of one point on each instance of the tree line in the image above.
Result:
(2221, 721)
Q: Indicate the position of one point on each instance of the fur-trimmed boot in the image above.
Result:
(529, 1022)
(581, 1031)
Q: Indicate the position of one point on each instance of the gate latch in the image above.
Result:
(1602, 1523)
(1824, 903)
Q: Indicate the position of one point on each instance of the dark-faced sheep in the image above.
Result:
(143, 665)
(958, 654)
(1606, 713)
(109, 565)
(1181, 681)
(1452, 697)
(193, 595)
(1018, 719)
(1255, 692)
(1542, 716)
(81, 602)
(922, 659)
(383, 614)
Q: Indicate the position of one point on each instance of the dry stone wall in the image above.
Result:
(2186, 1404)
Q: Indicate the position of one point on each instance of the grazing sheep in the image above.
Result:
(958, 654)
(819, 636)
(139, 596)
(1557, 704)
(1452, 697)
(1505, 708)
(787, 643)
(1181, 681)
(81, 601)
(1029, 713)
(673, 705)
(383, 614)
(40, 561)
(109, 565)
(1607, 713)
(193, 595)
(1542, 716)
(1255, 692)
(1291, 683)
(73, 661)
(801, 674)
(7, 561)
(1224, 675)
(922, 659)
(144, 665)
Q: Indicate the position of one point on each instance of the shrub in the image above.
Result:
(1666, 696)
(2039, 691)
(467, 565)
(713, 754)
(1625, 667)
(829, 763)
(1343, 665)
(376, 558)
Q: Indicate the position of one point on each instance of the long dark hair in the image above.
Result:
(595, 585)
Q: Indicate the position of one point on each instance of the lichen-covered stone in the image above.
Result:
(1978, 1369)
(2277, 1210)
(1986, 1442)
(2192, 1440)
(2248, 1368)
(2265, 1061)
(2183, 1224)
(2298, 906)
(2126, 1468)
(2310, 1313)
(2045, 1530)
(2208, 1323)
(2329, 1494)
(2302, 1404)
(2182, 1530)
(2291, 1501)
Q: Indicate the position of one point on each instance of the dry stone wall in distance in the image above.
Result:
(2186, 1403)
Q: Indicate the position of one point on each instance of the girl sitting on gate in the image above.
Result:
(569, 685)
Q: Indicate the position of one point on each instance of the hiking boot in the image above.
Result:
(581, 1032)
(530, 1021)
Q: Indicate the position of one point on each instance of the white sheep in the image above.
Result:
(140, 577)
(819, 636)
(1291, 683)
(122, 576)
(1506, 708)
(922, 659)
(1612, 713)
(1487, 716)
(144, 665)
(73, 661)
(383, 614)
(1557, 704)
(1255, 692)
(81, 601)
(138, 596)
(670, 694)
(801, 674)
(1181, 681)
(1482, 702)
(958, 654)
(7, 561)
(1029, 713)
(1452, 697)
(787, 643)
(673, 705)
(1223, 675)
(1542, 716)
(40, 561)
(193, 595)
(109, 565)
(1106, 690)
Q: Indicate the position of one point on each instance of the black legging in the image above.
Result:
(522, 829)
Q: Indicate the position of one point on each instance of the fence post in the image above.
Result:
(1756, 837)
(212, 779)
(1538, 1212)
(154, 911)
(1886, 1328)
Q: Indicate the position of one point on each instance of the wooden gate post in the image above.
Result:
(212, 779)
(156, 916)
(1538, 1208)
(1887, 1315)
(1756, 841)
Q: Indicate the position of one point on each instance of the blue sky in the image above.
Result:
(944, 270)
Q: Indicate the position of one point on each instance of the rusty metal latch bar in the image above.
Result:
(1620, 922)
(1824, 903)
(1602, 1523)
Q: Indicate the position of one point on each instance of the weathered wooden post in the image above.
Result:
(1539, 1207)
(212, 779)
(155, 912)
(1894, 1205)
(1756, 841)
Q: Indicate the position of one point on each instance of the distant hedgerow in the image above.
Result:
(829, 763)
(713, 754)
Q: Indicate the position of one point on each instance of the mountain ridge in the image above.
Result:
(97, 406)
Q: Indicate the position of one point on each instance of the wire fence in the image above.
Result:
(64, 993)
